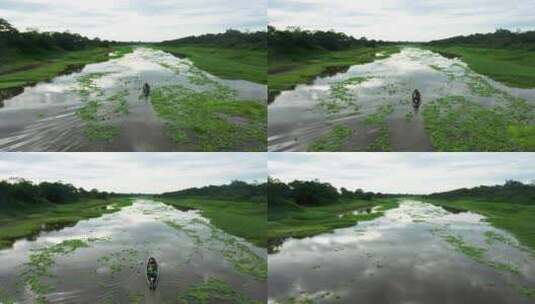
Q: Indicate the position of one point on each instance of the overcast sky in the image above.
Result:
(147, 20)
(417, 173)
(412, 20)
(135, 172)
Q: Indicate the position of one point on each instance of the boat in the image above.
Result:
(153, 273)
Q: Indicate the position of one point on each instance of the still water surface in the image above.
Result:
(403, 257)
(43, 117)
(296, 117)
(112, 268)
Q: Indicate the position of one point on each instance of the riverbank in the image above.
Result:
(228, 63)
(30, 69)
(513, 67)
(113, 251)
(27, 220)
(243, 219)
(515, 218)
(290, 220)
(459, 123)
(288, 70)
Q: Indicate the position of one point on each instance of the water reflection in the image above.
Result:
(43, 117)
(297, 117)
(402, 257)
(112, 268)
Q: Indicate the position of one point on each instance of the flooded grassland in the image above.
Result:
(369, 108)
(415, 253)
(102, 108)
(102, 260)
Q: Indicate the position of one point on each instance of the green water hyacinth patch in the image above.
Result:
(41, 261)
(94, 113)
(476, 253)
(332, 140)
(341, 96)
(455, 123)
(211, 120)
(378, 119)
(117, 261)
(214, 290)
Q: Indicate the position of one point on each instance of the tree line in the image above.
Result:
(33, 41)
(20, 190)
(511, 191)
(236, 190)
(312, 193)
(501, 38)
(295, 39)
(229, 39)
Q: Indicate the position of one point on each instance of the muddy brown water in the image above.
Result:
(126, 239)
(296, 119)
(43, 117)
(402, 257)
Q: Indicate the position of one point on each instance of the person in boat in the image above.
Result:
(152, 270)
(146, 90)
(416, 99)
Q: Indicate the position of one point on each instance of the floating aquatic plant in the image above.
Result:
(41, 260)
(213, 290)
(332, 140)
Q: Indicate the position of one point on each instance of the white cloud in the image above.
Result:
(135, 172)
(404, 172)
(396, 20)
(154, 20)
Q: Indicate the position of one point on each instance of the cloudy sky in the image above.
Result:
(135, 172)
(412, 20)
(417, 173)
(152, 20)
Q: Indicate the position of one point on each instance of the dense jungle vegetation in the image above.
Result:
(17, 43)
(236, 190)
(22, 191)
(501, 38)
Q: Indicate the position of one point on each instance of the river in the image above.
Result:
(416, 253)
(50, 115)
(103, 260)
(299, 117)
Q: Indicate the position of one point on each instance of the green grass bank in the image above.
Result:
(291, 220)
(510, 216)
(228, 63)
(513, 67)
(211, 120)
(240, 218)
(28, 69)
(26, 220)
(286, 70)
